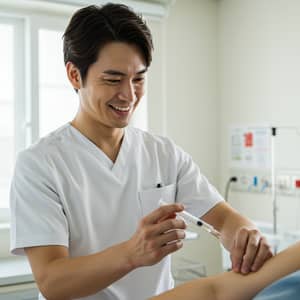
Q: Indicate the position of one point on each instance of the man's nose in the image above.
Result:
(127, 91)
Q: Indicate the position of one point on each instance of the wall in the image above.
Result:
(182, 97)
(191, 95)
(156, 80)
(259, 71)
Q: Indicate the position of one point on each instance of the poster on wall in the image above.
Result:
(250, 147)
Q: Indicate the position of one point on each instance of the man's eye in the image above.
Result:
(140, 79)
(113, 81)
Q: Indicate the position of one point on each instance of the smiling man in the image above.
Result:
(109, 94)
(85, 198)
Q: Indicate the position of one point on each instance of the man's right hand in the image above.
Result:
(157, 235)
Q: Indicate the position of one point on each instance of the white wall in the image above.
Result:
(182, 97)
(182, 80)
(259, 71)
(191, 94)
(156, 80)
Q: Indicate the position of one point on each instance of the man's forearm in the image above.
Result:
(231, 226)
(248, 248)
(68, 278)
(61, 277)
(228, 221)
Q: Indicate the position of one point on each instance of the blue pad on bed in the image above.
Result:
(287, 288)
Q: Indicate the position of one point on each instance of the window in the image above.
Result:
(37, 97)
(7, 124)
(58, 102)
(7, 110)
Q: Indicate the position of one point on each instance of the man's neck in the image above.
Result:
(107, 139)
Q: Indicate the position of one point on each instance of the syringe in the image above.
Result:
(189, 218)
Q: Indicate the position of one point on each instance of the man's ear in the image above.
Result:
(73, 75)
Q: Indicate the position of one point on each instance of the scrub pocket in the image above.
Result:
(149, 199)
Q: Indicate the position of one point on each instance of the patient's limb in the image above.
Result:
(235, 286)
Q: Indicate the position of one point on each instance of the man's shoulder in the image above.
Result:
(151, 140)
(46, 145)
(147, 136)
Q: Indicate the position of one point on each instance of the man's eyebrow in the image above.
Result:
(119, 73)
(142, 71)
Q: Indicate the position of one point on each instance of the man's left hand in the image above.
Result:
(250, 250)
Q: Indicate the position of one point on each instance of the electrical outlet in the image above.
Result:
(265, 184)
(243, 182)
(251, 182)
(287, 182)
(283, 184)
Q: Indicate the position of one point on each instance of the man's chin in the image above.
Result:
(121, 125)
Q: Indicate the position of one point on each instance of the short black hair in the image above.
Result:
(91, 27)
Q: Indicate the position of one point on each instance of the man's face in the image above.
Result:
(114, 85)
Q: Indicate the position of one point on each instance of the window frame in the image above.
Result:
(26, 74)
(38, 22)
(19, 89)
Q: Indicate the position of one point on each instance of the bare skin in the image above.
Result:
(248, 248)
(235, 286)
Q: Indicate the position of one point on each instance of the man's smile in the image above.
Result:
(120, 108)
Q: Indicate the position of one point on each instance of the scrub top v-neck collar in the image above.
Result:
(117, 167)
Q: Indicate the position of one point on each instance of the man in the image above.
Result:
(85, 199)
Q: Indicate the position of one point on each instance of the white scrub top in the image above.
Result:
(66, 191)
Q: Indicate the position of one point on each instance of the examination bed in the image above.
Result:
(287, 288)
